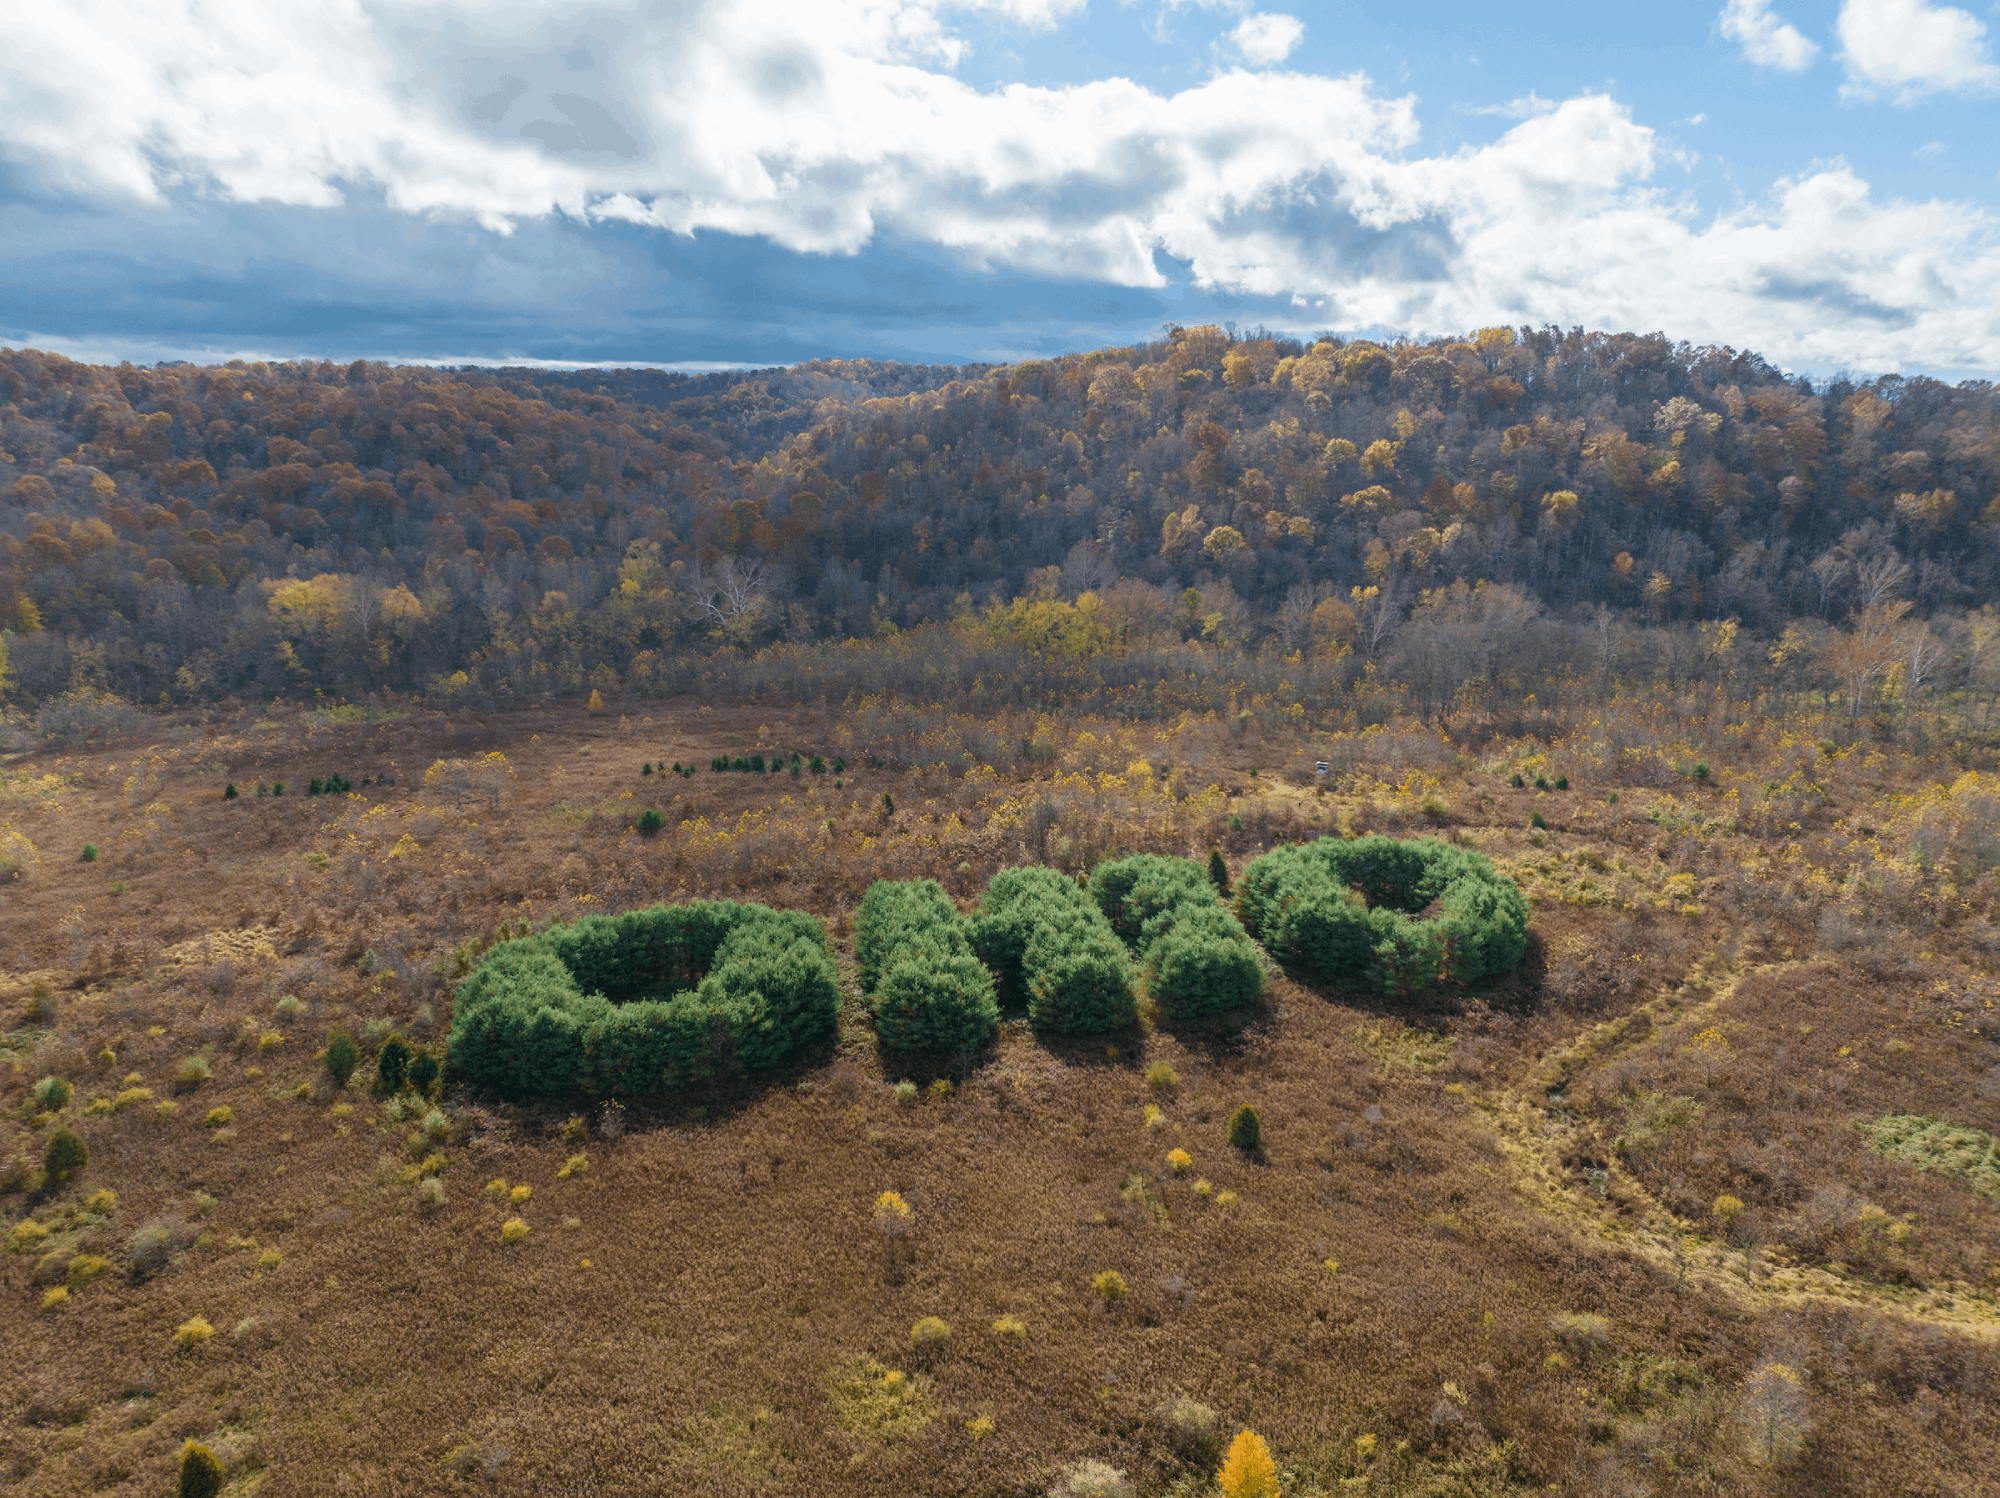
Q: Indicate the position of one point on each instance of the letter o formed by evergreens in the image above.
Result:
(1339, 911)
(620, 1005)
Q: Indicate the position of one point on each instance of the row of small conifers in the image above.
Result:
(686, 993)
(938, 980)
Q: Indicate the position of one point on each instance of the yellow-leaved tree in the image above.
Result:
(1248, 1471)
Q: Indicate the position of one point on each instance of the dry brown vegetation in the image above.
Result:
(1480, 1251)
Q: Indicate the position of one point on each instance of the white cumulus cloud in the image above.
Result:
(1910, 48)
(826, 126)
(1765, 39)
(1265, 38)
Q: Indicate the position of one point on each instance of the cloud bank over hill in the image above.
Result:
(835, 129)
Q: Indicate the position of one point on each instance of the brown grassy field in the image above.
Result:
(1487, 1248)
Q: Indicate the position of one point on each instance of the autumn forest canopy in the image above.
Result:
(1346, 525)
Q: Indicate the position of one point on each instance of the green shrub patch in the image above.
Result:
(1973, 1155)
(928, 990)
(651, 998)
(1050, 947)
(1402, 916)
(1199, 963)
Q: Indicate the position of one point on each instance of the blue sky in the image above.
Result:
(690, 182)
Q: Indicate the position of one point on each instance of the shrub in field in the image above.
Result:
(926, 988)
(392, 1066)
(649, 823)
(1246, 1130)
(152, 1249)
(657, 997)
(1343, 911)
(192, 1333)
(63, 1156)
(52, 1094)
(1192, 1429)
(1198, 960)
(1583, 1333)
(342, 1055)
(201, 1474)
(424, 1069)
(881, 1404)
(1093, 1479)
(1050, 947)
(930, 1334)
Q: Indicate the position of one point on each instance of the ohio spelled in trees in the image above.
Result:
(1199, 962)
(927, 989)
(1336, 911)
(659, 997)
(1051, 947)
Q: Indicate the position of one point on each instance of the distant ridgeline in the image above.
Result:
(498, 535)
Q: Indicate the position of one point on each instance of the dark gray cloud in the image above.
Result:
(209, 279)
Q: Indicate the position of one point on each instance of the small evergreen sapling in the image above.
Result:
(342, 1055)
(1246, 1132)
(424, 1072)
(63, 1156)
(1218, 871)
(392, 1066)
(649, 823)
(229, 792)
(201, 1474)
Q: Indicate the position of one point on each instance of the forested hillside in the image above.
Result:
(187, 533)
